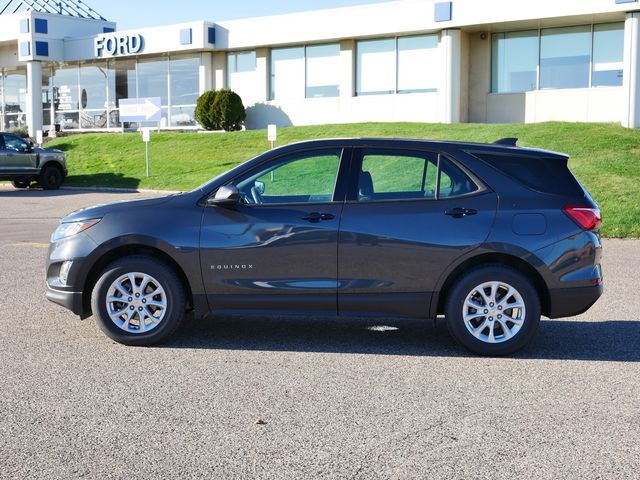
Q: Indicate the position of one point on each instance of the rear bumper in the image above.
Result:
(69, 300)
(567, 302)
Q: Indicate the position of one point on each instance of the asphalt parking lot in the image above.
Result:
(337, 399)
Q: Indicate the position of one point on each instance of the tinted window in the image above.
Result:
(395, 176)
(542, 174)
(309, 177)
(15, 143)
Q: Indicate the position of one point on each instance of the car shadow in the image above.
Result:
(82, 184)
(612, 340)
(115, 180)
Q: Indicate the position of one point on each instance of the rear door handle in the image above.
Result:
(460, 212)
(317, 217)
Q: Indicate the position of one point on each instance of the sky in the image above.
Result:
(131, 14)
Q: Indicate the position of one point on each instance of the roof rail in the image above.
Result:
(508, 142)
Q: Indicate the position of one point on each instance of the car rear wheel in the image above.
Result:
(493, 310)
(51, 178)
(21, 183)
(138, 301)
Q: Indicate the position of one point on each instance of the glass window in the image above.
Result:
(565, 55)
(94, 84)
(15, 144)
(66, 97)
(153, 80)
(514, 61)
(124, 84)
(608, 53)
(65, 89)
(287, 73)
(15, 92)
(323, 71)
(303, 178)
(185, 80)
(15, 99)
(183, 116)
(185, 90)
(418, 64)
(392, 175)
(453, 181)
(241, 74)
(376, 66)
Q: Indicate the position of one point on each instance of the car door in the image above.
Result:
(410, 216)
(277, 249)
(17, 155)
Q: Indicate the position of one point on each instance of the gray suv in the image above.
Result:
(23, 163)
(491, 236)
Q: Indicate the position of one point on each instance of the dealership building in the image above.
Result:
(493, 61)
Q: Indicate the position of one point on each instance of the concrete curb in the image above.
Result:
(8, 186)
(119, 190)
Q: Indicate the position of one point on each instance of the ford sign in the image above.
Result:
(116, 45)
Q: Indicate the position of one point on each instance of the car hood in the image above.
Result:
(100, 211)
(47, 150)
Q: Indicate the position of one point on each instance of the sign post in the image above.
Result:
(272, 134)
(140, 110)
(146, 138)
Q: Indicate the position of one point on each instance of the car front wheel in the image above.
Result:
(138, 301)
(493, 310)
(51, 178)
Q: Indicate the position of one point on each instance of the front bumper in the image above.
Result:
(571, 301)
(70, 300)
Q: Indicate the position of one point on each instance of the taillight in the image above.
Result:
(587, 217)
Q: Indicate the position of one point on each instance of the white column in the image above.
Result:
(205, 73)
(263, 72)
(34, 97)
(219, 70)
(450, 91)
(347, 59)
(631, 75)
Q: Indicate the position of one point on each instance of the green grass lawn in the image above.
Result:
(605, 157)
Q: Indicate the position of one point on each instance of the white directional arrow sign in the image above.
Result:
(140, 109)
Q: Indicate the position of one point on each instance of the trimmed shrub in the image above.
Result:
(204, 110)
(228, 110)
(220, 110)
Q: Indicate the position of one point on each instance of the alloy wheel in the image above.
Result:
(494, 312)
(136, 302)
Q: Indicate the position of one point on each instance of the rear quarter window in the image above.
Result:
(547, 175)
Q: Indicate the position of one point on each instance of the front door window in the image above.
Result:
(308, 177)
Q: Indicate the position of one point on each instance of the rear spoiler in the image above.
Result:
(507, 142)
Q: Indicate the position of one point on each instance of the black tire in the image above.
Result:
(51, 177)
(480, 345)
(21, 183)
(168, 280)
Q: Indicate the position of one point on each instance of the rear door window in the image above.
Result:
(401, 175)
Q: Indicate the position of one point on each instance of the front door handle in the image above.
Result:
(317, 217)
(460, 212)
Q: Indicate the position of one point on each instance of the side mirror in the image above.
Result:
(260, 187)
(225, 196)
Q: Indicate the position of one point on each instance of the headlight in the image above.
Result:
(65, 230)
